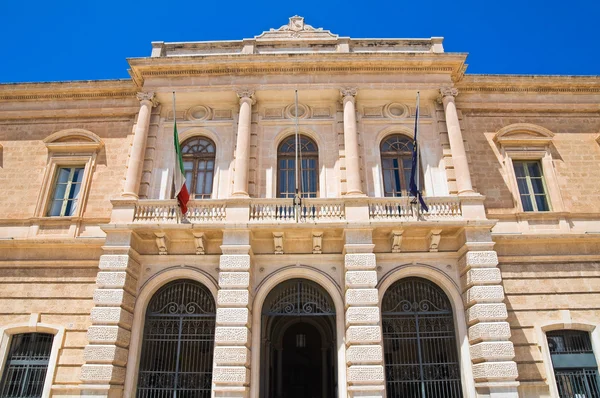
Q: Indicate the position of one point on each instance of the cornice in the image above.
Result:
(534, 84)
(71, 90)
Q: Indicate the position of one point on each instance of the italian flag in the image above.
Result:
(181, 192)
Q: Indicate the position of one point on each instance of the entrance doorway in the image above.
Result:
(298, 355)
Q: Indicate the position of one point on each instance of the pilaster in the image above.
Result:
(231, 372)
(492, 352)
(364, 349)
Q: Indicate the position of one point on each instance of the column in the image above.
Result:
(105, 356)
(364, 349)
(242, 151)
(138, 148)
(231, 372)
(494, 370)
(457, 147)
(353, 185)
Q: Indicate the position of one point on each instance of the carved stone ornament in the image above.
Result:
(246, 93)
(278, 242)
(396, 238)
(296, 29)
(317, 238)
(434, 239)
(348, 92)
(161, 242)
(199, 242)
(149, 96)
(448, 91)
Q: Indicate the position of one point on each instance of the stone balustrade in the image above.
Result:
(311, 210)
(167, 211)
(404, 209)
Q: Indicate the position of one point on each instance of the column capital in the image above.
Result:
(448, 92)
(147, 96)
(348, 92)
(246, 93)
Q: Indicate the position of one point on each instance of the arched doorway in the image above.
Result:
(420, 349)
(178, 341)
(298, 355)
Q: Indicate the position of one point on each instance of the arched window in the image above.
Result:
(396, 162)
(286, 167)
(178, 341)
(420, 350)
(199, 164)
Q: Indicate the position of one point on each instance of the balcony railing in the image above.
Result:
(283, 210)
(167, 211)
(405, 208)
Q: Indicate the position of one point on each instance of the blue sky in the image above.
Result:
(81, 40)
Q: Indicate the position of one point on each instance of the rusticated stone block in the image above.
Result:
(482, 276)
(484, 294)
(230, 375)
(357, 261)
(365, 374)
(102, 374)
(492, 351)
(364, 354)
(110, 354)
(357, 297)
(362, 315)
(486, 313)
(114, 298)
(115, 280)
(361, 279)
(478, 259)
(234, 262)
(112, 316)
(232, 335)
(232, 316)
(363, 334)
(233, 298)
(118, 262)
(108, 334)
(489, 331)
(232, 356)
(234, 279)
(495, 371)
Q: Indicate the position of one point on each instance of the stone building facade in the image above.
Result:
(106, 290)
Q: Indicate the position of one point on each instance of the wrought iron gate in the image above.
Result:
(298, 297)
(177, 349)
(421, 357)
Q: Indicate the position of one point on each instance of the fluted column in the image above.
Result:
(138, 148)
(242, 151)
(457, 147)
(353, 186)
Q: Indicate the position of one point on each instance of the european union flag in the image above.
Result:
(413, 186)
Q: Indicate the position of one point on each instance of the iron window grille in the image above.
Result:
(178, 343)
(199, 165)
(26, 365)
(420, 349)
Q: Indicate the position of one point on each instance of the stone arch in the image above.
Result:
(260, 294)
(145, 294)
(73, 135)
(392, 130)
(453, 292)
(525, 132)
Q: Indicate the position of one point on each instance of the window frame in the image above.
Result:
(291, 155)
(404, 190)
(195, 158)
(34, 326)
(528, 179)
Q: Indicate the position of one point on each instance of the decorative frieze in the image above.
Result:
(489, 331)
(234, 262)
(492, 351)
(232, 316)
(238, 355)
(363, 334)
(234, 279)
(361, 278)
(364, 354)
(362, 315)
(491, 371)
(358, 261)
(233, 298)
(365, 374)
(358, 297)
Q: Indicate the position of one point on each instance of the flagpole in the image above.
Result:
(297, 199)
(418, 174)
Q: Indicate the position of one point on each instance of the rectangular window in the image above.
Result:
(532, 187)
(26, 365)
(66, 191)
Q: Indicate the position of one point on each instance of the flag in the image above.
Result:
(181, 192)
(413, 186)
